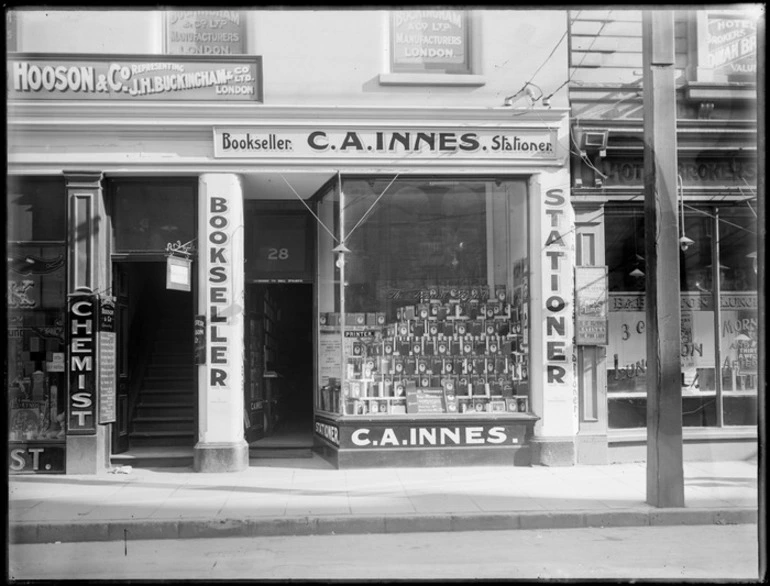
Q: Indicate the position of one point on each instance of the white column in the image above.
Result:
(553, 383)
(221, 445)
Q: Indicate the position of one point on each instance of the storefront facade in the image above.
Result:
(718, 232)
(405, 251)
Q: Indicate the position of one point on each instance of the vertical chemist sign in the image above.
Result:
(219, 233)
(82, 312)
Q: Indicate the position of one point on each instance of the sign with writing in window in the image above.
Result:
(591, 305)
(205, 32)
(732, 45)
(430, 41)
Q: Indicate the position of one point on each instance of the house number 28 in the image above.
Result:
(277, 254)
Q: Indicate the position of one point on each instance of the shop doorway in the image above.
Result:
(279, 368)
(156, 386)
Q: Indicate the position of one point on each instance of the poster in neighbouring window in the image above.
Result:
(591, 306)
(732, 45)
(430, 41)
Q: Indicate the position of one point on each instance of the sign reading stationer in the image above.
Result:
(134, 77)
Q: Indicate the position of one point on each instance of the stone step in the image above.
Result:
(161, 438)
(154, 423)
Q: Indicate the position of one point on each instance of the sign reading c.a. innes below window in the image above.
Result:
(467, 143)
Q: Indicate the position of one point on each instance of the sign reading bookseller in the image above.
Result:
(205, 32)
(430, 41)
(151, 77)
(498, 143)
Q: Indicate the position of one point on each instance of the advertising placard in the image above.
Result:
(732, 44)
(591, 305)
(199, 339)
(33, 76)
(430, 40)
(178, 273)
(205, 32)
(107, 361)
(82, 314)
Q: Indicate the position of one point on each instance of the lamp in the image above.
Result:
(753, 257)
(684, 241)
(341, 251)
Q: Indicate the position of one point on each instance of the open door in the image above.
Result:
(120, 289)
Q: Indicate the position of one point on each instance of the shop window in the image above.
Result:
(35, 302)
(708, 400)
(430, 41)
(149, 214)
(727, 45)
(434, 309)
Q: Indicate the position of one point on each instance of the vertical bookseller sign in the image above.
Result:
(591, 306)
(106, 339)
(82, 310)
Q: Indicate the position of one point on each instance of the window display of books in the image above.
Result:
(469, 349)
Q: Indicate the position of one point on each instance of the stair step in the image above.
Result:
(152, 461)
(167, 438)
(257, 453)
(178, 384)
(155, 370)
(164, 410)
(163, 424)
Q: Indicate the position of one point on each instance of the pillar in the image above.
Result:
(553, 389)
(89, 271)
(221, 445)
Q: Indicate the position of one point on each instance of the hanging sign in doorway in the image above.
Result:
(106, 340)
(178, 273)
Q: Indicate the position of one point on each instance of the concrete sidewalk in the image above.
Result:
(309, 496)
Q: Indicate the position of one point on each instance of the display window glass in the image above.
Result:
(35, 302)
(712, 395)
(432, 314)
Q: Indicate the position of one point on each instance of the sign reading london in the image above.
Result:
(136, 77)
(497, 143)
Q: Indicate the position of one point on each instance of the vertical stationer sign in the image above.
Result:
(81, 399)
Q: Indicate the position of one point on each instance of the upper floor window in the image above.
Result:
(430, 41)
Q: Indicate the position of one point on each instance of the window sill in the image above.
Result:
(637, 435)
(438, 79)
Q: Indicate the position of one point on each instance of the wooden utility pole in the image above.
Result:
(665, 475)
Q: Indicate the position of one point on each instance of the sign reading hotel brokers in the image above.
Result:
(120, 77)
(472, 143)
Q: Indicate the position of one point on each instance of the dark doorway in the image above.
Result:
(280, 366)
(156, 375)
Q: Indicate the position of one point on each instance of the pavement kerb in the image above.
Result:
(136, 529)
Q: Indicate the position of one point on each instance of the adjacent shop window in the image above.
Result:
(433, 314)
(430, 41)
(718, 367)
(35, 301)
(151, 213)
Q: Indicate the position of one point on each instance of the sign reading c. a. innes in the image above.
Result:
(468, 143)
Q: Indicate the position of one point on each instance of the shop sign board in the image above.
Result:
(425, 435)
(81, 399)
(591, 305)
(178, 273)
(33, 76)
(731, 44)
(430, 40)
(205, 32)
(328, 432)
(107, 361)
(415, 143)
(36, 458)
(703, 172)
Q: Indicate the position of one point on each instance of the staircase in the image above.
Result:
(165, 411)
